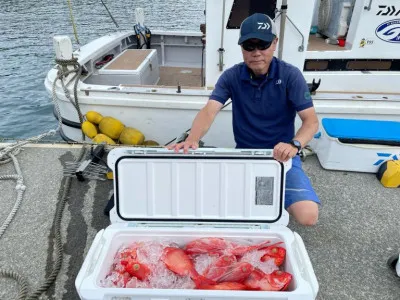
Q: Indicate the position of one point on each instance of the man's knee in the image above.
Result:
(309, 218)
(305, 212)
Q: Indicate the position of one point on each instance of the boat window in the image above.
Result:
(241, 9)
(352, 65)
(330, 25)
(369, 65)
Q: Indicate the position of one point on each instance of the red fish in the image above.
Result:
(224, 286)
(241, 250)
(211, 246)
(237, 273)
(219, 246)
(276, 281)
(138, 270)
(177, 261)
(219, 267)
(276, 253)
(128, 253)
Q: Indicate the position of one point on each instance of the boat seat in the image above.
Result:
(353, 131)
(131, 66)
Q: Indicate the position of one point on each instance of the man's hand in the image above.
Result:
(283, 152)
(186, 145)
(200, 126)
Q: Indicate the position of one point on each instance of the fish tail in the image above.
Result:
(200, 280)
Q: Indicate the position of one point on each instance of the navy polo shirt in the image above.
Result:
(263, 109)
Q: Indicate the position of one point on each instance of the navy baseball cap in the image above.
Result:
(257, 26)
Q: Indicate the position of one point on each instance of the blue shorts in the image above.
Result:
(298, 185)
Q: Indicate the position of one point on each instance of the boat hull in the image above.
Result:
(163, 117)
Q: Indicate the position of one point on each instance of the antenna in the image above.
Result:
(110, 14)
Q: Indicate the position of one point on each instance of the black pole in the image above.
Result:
(110, 14)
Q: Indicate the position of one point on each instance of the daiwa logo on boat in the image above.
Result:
(387, 156)
(389, 31)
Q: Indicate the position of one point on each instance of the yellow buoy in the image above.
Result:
(131, 136)
(89, 129)
(93, 117)
(150, 143)
(100, 138)
(111, 127)
(389, 174)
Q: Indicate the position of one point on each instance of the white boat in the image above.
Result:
(160, 87)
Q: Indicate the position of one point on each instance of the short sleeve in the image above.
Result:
(298, 92)
(221, 92)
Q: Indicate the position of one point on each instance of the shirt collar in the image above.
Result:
(245, 74)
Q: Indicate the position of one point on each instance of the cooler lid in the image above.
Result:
(214, 185)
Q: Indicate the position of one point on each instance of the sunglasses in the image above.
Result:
(251, 46)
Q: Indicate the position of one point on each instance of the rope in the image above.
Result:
(20, 190)
(8, 153)
(23, 291)
(16, 146)
(63, 72)
(58, 241)
(73, 22)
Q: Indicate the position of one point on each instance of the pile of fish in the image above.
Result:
(204, 263)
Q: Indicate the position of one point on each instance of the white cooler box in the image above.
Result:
(225, 193)
(132, 66)
(356, 145)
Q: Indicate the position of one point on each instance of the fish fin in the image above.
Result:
(200, 280)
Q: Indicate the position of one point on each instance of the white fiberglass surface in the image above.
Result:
(199, 189)
(115, 239)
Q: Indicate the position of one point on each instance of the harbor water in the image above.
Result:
(27, 54)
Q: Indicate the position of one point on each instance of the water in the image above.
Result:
(26, 48)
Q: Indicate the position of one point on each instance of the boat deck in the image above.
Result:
(170, 76)
(318, 44)
(358, 229)
(187, 77)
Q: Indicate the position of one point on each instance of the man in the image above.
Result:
(266, 93)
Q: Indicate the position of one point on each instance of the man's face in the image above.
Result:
(258, 60)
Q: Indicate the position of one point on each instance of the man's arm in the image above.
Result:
(309, 126)
(204, 119)
(200, 126)
(299, 96)
(206, 115)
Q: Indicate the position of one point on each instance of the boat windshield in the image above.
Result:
(241, 9)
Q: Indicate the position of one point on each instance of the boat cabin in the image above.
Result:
(328, 40)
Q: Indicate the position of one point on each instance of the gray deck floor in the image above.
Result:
(359, 228)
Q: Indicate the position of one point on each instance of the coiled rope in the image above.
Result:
(9, 153)
(20, 187)
(62, 73)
